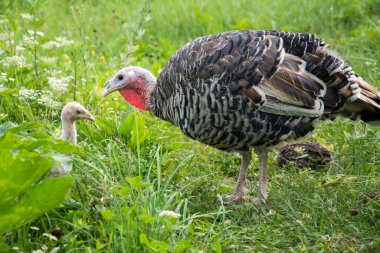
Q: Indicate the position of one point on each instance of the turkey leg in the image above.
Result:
(239, 190)
(262, 153)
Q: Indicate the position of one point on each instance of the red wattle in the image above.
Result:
(134, 98)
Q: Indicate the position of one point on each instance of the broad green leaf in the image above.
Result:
(126, 127)
(10, 141)
(182, 246)
(133, 128)
(159, 246)
(25, 126)
(20, 172)
(63, 147)
(5, 127)
(40, 199)
(107, 214)
(217, 248)
(137, 182)
(144, 239)
(25, 159)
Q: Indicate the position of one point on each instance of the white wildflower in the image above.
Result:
(28, 94)
(370, 64)
(331, 210)
(47, 99)
(6, 36)
(57, 43)
(101, 156)
(3, 116)
(140, 33)
(51, 237)
(271, 212)
(326, 238)
(170, 214)
(35, 228)
(44, 247)
(26, 16)
(83, 80)
(29, 41)
(49, 61)
(3, 77)
(14, 61)
(20, 49)
(11, 79)
(54, 250)
(306, 216)
(63, 41)
(9, 43)
(59, 85)
(148, 17)
(55, 72)
(227, 222)
(32, 33)
(50, 45)
(38, 251)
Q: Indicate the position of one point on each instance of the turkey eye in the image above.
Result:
(79, 112)
(120, 77)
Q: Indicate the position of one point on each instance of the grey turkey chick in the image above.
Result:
(71, 113)
(247, 89)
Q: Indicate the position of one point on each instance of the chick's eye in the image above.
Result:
(79, 111)
(120, 77)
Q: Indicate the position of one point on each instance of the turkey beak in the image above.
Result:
(109, 88)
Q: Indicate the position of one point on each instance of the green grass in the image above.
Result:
(133, 166)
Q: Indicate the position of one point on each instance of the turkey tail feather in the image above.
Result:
(365, 100)
(371, 97)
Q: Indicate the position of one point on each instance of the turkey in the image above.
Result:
(72, 112)
(247, 89)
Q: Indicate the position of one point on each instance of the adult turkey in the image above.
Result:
(242, 89)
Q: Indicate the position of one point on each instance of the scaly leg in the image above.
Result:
(239, 190)
(262, 153)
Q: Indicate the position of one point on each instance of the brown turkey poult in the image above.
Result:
(242, 89)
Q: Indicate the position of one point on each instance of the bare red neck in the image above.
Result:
(134, 98)
(137, 93)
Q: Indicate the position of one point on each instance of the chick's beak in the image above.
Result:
(92, 118)
(88, 115)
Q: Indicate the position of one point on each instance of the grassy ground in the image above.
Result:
(134, 166)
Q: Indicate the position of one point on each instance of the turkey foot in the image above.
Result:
(238, 195)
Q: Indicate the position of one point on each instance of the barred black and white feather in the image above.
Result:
(240, 89)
